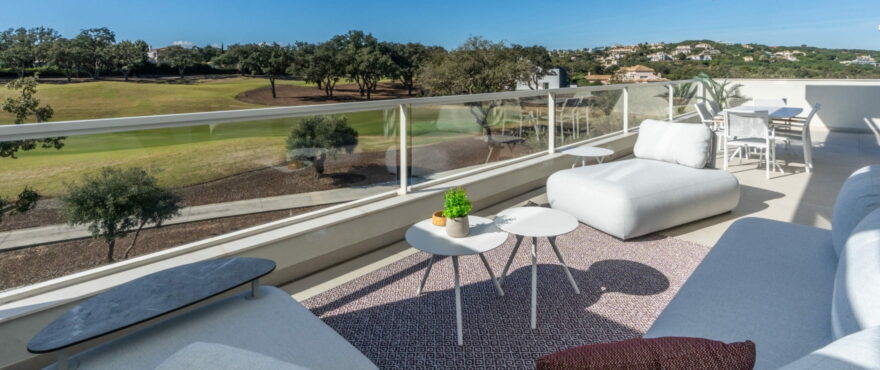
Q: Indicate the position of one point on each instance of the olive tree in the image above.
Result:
(128, 55)
(313, 139)
(96, 44)
(271, 61)
(114, 202)
(179, 57)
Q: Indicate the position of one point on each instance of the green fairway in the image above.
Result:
(190, 155)
(105, 99)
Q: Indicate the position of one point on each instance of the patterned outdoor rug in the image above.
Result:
(624, 286)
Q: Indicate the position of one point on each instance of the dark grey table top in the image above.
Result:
(146, 298)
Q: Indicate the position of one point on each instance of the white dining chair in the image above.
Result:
(802, 138)
(781, 102)
(747, 131)
(714, 108)
(706, 117)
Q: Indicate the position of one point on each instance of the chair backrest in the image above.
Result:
(705, 116)
(770, 102)
(747, 124)
(714, 108)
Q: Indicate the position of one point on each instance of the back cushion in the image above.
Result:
(859, 196)
(856, 299)
(686, 144)
(857, 351)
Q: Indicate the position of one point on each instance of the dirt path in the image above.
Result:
(291, 95)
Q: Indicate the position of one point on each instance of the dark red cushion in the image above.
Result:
(656, 353)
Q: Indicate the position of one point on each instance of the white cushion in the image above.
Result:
(686, 144)
(201, 355)
(856, 303)
(272, 325)
(860, 351)
(766, 281)
(639, 196)
(859, 196)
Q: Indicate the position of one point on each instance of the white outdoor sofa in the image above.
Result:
(273, 331)
(808, 298)
(671, 181)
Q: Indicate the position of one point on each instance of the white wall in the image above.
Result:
(847, 105)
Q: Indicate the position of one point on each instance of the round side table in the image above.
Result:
(484, 236)
(586, 151)
(536, 222)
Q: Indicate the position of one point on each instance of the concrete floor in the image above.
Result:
(795, 196)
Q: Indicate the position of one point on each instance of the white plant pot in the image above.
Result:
(457, 227)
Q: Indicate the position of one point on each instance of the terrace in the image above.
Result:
(338, 240)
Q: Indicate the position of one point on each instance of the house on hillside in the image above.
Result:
(637, 73)
(153, 55)
(701, 57)
(659, 57)
(602, 79)
(657, 46)
(748, 58)
(554, 79)
(682, 49)
(703, 45)
(861, 60)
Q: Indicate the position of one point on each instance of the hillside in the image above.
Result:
(683, 60)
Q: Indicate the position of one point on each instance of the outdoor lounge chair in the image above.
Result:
(672, 181)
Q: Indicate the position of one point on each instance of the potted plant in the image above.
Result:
(456, 207)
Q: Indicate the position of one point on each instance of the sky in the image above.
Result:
(555, 25)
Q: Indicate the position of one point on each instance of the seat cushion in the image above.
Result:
(765, 281)
(860, 350)
(856, 304)
(639, 196)
(859, 196)
(686, 144)
(655, 353)
(273, 325)
(201, 355)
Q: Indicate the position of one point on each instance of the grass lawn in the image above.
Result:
(189, 155)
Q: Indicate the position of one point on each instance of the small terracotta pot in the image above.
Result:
(457, 227)
(437, 219)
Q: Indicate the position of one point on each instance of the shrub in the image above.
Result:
(315, 138)
(456, 203)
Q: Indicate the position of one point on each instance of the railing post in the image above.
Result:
(671, 97)
(551, 123)
(625, 109)
(404, 151)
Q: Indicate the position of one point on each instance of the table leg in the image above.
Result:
(255, 286)
(574, 285)
(534, 282)
(600, 159)
(519, 240)
(457, 301)
(425, 277)
(491, 275)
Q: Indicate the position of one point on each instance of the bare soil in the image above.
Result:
(291, 95)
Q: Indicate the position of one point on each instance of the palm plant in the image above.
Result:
(681, 95)
(721, 92)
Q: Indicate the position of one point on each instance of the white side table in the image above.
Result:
(586, 151)
(484, 236)
(537, 222)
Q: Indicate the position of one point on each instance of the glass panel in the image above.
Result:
(602, 113)
(648, 102)
(451, 138)
(684, 96)
(229, 176)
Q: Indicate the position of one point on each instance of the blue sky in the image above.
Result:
(568, 24)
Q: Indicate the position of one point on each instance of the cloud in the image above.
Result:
(186, 44)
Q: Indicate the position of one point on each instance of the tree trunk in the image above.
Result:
(20, 73)
(181, 69)
(125, 74)
(272, 82)
(68, 75)
(133, 240)
(97, 71)
(319, 164)
(320, 87)
(110, 248)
